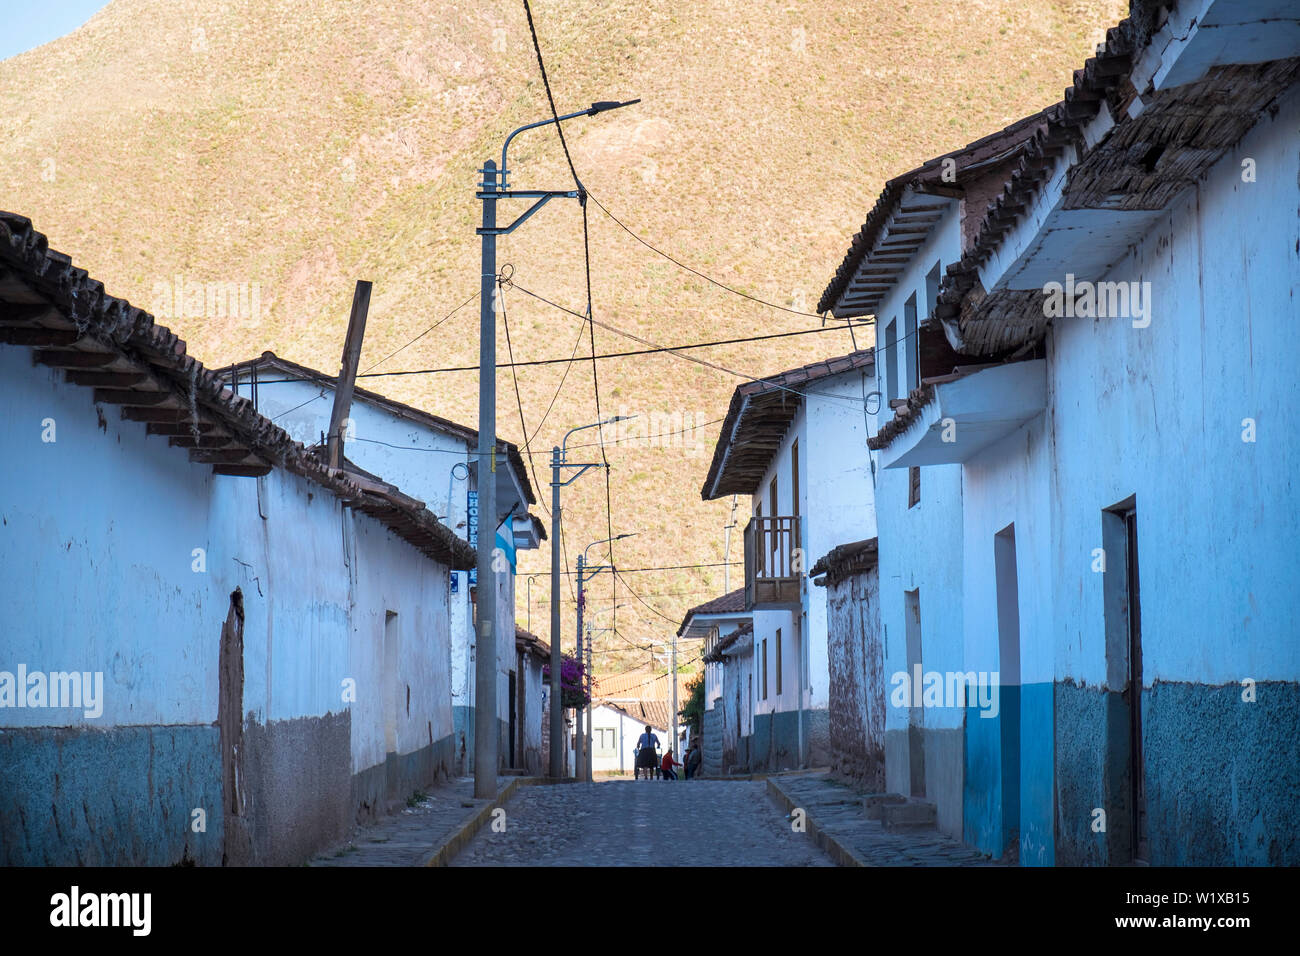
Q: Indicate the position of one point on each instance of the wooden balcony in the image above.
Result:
(773, 562)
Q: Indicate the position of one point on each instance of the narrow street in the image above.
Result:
(644, 823)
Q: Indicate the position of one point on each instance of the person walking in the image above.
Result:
(647, 756)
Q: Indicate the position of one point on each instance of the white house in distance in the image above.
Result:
(1124, 307)
(223, 651)
(721, 731)
(616, 728)
(783, 445)
(434, 460)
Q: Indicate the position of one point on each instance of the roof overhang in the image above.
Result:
(1161, 104)
(962, 417)
(757, 419)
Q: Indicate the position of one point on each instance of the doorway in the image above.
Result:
(1008, 689)
(1123, 609)
(915, 713)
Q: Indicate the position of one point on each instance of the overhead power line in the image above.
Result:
(707, 278)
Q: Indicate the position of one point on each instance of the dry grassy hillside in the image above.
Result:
(303, 145)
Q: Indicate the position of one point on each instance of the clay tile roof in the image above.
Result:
(845, 560)
(759, 414)
(733, 602)
(269, 360)
(929, 176)
(716, 655)
(531, 643)
(129, 360)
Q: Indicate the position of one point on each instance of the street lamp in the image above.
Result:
(486, 732)
(559, 461)
(530, 601)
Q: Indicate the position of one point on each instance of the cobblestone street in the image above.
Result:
(640, 823)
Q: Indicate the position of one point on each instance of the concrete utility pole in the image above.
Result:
(485, 717)
(579, 738)
(587, 674)
(486, 741)
(557, 708)
(558, 463)
(674, 721)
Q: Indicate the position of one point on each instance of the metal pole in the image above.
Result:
(673, 744)
(579, 758)
(587, 677)
(726, 559)
(557, 712)
(485, 671)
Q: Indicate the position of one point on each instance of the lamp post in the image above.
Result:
(559, 462)
(582, 754)
(529, 618)
(591, 683)
(496, 185)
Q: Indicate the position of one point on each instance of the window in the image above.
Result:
(913, 486)
(891, 360)
(911, 350)
(605, 741)
(778, 662)
(392, 668)
(763, 682)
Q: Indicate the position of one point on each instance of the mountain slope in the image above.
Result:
(301, 146)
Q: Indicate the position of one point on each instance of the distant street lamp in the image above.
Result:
(559, 461)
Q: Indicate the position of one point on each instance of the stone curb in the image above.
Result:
(761, 776)
(836, 850)
(447, 850)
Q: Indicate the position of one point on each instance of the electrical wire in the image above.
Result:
(422, 334)
(632, 353)
(697, 272)
(519, 402)
(689, 358)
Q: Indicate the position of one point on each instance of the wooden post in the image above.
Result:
(347, 379)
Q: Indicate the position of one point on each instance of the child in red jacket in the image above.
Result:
(667, 766)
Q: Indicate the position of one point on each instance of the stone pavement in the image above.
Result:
(836, 810)
(411, 837)
(644, 823)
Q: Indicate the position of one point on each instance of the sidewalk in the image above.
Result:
(415, 835)
(836, 819)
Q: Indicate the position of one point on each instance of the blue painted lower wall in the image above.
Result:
(124, 796)
(1221, 777)
(774, 743)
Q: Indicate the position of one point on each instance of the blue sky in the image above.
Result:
(28, 24)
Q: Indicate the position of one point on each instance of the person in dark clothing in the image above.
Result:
(647, 757)
(693, 760)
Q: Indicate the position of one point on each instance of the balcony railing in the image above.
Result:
(773, 562)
